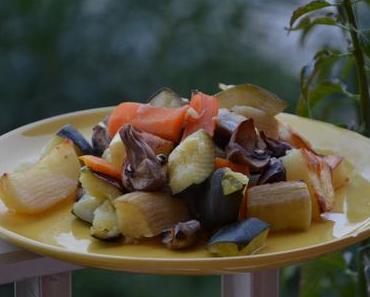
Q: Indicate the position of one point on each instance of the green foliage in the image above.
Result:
(319, 79)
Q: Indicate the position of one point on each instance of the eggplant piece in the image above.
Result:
(69, 132)
(181, 235)
(274, 173)
(165, 97)
(246, 147)
(226, 123)
(191, 162)
(222, 200)
(84, 208)
(105, 222)
(239, 239)
(100, 139)
(251, 95)
(142, 170)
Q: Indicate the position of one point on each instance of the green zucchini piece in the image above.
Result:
(233, 181)
(223, 197)
(239, 239)
(191, 162)
(105, 223)
(84, 208)
(97, 187)
(165, 97)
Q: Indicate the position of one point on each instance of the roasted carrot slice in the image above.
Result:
(221, 163)
(163, 122)
(100, 165)
(207, 108)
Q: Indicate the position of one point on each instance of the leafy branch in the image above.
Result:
(318, 79)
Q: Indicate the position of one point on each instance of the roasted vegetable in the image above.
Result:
(207, 109)
(143, 170)
(36, 188)
(221, 203)
(100, 139)
(165, 97)
(191, 162)
(84, 208)
(69, 132)
(105, 223)
(263, 121)
(226, 123)
(222, 163)
(239, 239)
(164, 122)
(146, 214)
(274, 172)
(102, 166)
(181, 235)
(245, 147)
(315, 172)
(284, 205)
(289, 135)
(96, 187)
(251, 95)
(340, 171)
(276, 148)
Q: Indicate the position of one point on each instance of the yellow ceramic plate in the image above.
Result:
(58, 234)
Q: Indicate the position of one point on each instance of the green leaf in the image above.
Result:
(327, 88)
(364, 270)
(309, 7)
(326, 276)
(308, 22)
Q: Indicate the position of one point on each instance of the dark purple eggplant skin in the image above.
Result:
(275, 172)
(193, 197)
(100, 139)
(217, 209)
(239, 233)
(69, 132)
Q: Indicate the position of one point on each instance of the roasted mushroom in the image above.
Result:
(100, 138)
(246, 147)
(143, 170)
(277, 148)
(181, 235)
(274, 172)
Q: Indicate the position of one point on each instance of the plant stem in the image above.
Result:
(360, 68)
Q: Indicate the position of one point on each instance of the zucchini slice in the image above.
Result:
(191, 162)
(239, 239)
(105, 223)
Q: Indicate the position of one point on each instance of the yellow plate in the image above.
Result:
(58, 234)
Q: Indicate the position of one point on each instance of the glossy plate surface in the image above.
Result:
(58, 234)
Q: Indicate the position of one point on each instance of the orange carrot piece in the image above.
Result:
(100, 165)
(221, 163)
(163, 122)
(207, 108)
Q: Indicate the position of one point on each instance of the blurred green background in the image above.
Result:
(58, 56)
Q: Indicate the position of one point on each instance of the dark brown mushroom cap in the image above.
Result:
(246, 147)
(142, 170)
(181, 235)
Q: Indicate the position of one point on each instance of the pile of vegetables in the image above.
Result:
(220, 169)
